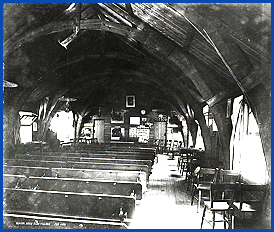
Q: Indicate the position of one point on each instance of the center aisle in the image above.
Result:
(166, 204)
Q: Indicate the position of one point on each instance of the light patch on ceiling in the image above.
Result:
(71, 8)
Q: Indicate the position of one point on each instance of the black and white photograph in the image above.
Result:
(136, 115)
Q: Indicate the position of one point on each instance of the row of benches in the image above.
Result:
(74, 189)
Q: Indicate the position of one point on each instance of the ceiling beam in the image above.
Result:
(77, 17)
(129, 9)
(55, 27)
(189, 38)
(257, 77)
(221, 38)
(248, 83)
(157, 47)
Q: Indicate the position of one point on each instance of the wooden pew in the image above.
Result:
(111, 175)
(73, 149)
(88, 159)
(35, 163)
(111, 166)
(86, 155)
(105, 154)
(114, 175)
(80, 165)
(111, 149)
(144, 153)
(24, 221)
(56, 188)
(125, 188)
(112, 156)
(67, 203)
(120, 161)
(60, 157)
(27, 171)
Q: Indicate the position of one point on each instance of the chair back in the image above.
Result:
(222, 192)
(207, 175)
(252, 193)
(229, 176)
(175, 144)
(168, 143)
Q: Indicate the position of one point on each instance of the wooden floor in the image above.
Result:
(166, 204)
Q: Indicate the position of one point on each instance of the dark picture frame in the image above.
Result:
(130, 101)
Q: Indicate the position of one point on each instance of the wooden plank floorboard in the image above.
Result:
(167, 203)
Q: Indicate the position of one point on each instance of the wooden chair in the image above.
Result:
(182, 163)
(251, 197)
(201, 183)
(194, 160)
(221, 200)
(168, 145)
(229, 176)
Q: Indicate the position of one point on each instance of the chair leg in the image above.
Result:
(203, 217)
(213, 220)
(199, 201)
(224, 217)
(188, 183)
(232, 220)
(192, 194)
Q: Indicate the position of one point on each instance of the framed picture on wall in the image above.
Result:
(134, 120)
(117, 117)
(130, 101)
(117, 133)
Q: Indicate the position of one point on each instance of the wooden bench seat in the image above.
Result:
(125, 188)
(89, 154)
(67, 203)
(144, 153)
(111, 166)
(120, 161)
(88, 159)
(124, 151)
(25, 221)
(117, 156)
(111, 175)
(79, 165)
(76, 155)
(60, 157)
(27, 171)
(115, 175)
(128, 150)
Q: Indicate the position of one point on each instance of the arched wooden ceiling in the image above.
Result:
(195, 53)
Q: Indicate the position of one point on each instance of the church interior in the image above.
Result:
(136, 115)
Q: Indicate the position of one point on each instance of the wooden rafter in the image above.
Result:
(77, 17)
(129, 9)
(256, 77)
(189, 38)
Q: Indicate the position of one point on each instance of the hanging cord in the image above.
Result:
(234, 133)
(67, 82)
